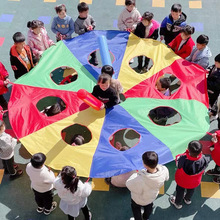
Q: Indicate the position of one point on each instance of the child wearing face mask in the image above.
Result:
(37, 38)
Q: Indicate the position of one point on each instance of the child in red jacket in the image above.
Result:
(183, 44)
(3, 86)
(190, 167)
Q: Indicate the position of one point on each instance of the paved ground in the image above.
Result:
(16, 197)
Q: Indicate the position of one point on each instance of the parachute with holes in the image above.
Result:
(97, 157)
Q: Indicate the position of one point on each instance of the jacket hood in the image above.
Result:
(181, 19)
(206, 52)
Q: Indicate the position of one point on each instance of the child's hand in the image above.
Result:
(210, 114)
(90, 28)
(103, 106)
(161, 37)
(6, 82)
(129, 29)
(214, 138)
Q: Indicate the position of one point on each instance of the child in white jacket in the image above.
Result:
(73, 193)
(145, 185)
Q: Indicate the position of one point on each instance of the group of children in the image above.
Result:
(144, 184)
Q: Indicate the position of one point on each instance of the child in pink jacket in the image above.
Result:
(37, 38)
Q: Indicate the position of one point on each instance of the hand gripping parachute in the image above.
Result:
(97, 157)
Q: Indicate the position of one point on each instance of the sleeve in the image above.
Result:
(3, 73)
(14, 65)
(113, 99)
(79, 30)
(137, 31)
(213, 83)
(50, 42)
(167, 174)
(173, 44)
(186, 52)
(35, 59)
(95, 91)
(93, 23)
(55, 183)
(204, 62)
(189, 58)
(35, 51)
(136, 19)
(121, 25)
(155, 34)
(134, 185)
(71, 28)
(163, 27)
(87, 189)
(53, 26)
(50, 177)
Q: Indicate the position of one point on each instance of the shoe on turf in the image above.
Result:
(172, 201)
(131, 61)
(16, 175)
(188, 202)
(216, 180)
(40, 209)
(53, 207)
(213, 172)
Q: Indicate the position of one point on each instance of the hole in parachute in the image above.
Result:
(64, 75)
(76, 134)
(95, 60)
(141, 64)
(124, 139)
(51, 105)
(164, 116)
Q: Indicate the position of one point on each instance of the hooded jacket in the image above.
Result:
(18, 65)
(201, 58)
(145, 186)
(3, 77)
(170, 29)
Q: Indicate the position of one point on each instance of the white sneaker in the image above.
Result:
(53, 207)
(172, 201)
(131, 61)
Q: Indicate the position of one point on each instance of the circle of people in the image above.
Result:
(143, 184)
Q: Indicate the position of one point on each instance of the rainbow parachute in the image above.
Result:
(97, 158)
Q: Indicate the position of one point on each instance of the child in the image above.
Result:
(62, 25)
(21, 56)
(85, 23)
(201, 53)
(213, 82)
(147, 28)
(163, 86)
(52, 110)
(190, 167)
(7, 145)
(104, 92)
(77, 140)
(183, 44)
(73, 193)
(215, 152)
(145, 185)
(215, 111)
(129, 17)
(115, 83)
(3, 86)
(37, 38)
(172, 24)
(42, 183)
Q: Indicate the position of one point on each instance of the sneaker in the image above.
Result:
(131, 61)
(188, 202)
(40, 209)
(16, 175)
(213, 172)
(54, 205)
(172, 201)
(216, 180)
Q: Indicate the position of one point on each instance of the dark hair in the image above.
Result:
(202, 39)
(150, 159)
(78, 139)
(165, 82)
(188, 30)
(18, 37)
(195, 148)
(217, 58)
(103, 78)
(35, 24)
(129, 2)
(82, 7)
(147, 16)
(37, 160)
(60, 8)
(53, 110)
(176, 8)
(69, 178)
(108, 70)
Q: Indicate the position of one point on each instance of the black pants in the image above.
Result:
(44, 199)
(140, 61)
(136, 209)
(9, 166)
(180, 194)
(3, 102)
(85, 211)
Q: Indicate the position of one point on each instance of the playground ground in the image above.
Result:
(106, 203)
